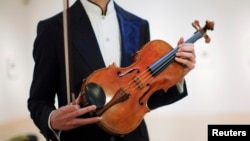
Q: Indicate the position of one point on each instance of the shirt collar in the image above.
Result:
(95, 9)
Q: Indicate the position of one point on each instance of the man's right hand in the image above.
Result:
(66, 117)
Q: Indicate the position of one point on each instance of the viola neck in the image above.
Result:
(161, 64)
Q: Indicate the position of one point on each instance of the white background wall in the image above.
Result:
(218, 85)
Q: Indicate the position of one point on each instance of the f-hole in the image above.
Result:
(120, 74)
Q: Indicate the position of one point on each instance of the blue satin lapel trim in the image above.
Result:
(130, 34)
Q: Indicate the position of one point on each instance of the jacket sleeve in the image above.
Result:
(43, 88)
(161, 98)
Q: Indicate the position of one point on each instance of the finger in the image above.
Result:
(186, 55)
(87, 109)
(82, 111)
(84, 121)
(186, 51)
(69, 108)
(186, 63)
(181, 41)
(78, 99)
(187, 47)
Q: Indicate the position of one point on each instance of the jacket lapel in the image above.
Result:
(130, 36)
(83, 37)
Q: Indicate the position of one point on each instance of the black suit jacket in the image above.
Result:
(49, 71)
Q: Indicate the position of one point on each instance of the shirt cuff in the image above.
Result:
(56, 133)
(180, 87)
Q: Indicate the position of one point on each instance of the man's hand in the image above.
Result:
(186, 56)
(66, 117)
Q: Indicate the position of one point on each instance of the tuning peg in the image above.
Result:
(196, 25)
(207, 38)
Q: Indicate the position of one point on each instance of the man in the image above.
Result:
(101, 33)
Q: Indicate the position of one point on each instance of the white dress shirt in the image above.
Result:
(106, 28)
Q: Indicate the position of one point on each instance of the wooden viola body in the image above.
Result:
(135, 84)
(128, 89)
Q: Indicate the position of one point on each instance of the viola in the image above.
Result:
(128, 89)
